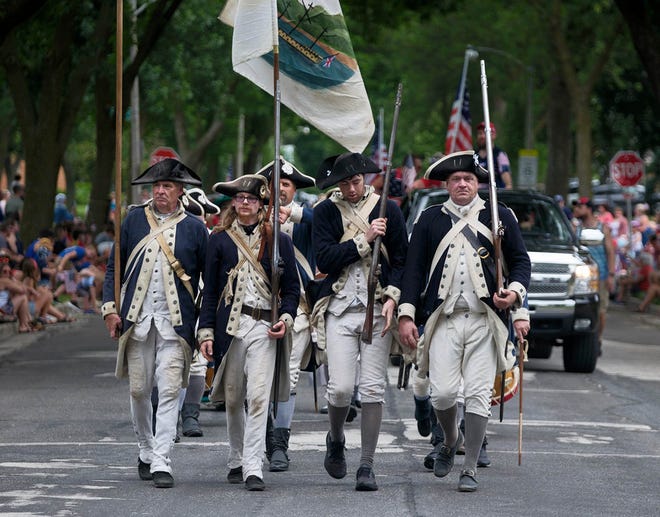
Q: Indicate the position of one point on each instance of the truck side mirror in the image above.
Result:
(591, 237)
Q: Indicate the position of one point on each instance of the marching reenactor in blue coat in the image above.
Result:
(162, 253)
(450, 286)
(345, 227)
(235, 322)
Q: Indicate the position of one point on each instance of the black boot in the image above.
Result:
(437, 439)
(279, 460)
(423, 412)
(190, 420)
(483, 460)
(269, 437)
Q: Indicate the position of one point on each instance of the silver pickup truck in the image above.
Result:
(563, 292)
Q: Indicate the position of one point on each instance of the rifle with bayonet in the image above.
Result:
(374, 270)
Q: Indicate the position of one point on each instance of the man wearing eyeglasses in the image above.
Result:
(235, 322)
(162, 252)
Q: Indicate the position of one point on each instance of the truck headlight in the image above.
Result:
(586, 279)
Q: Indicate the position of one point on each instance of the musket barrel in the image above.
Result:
(367, 329)
(492, 186)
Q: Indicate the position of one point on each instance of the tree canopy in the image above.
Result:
(57, 89)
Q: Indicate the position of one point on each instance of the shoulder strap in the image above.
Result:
(174, 262)
(358, 221)
(248, 255)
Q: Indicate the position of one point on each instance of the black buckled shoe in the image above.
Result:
(163, 479)
(255, 484)
(335, 461)
(235, 475)
(144, 470)
(445, 459)
(365, 480)
(467, 482)
(429, 459)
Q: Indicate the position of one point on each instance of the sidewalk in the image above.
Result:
(11, 340)
(651, 316)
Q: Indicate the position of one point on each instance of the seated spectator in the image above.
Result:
(41, 250)
(40, 297)
(652, 292)
(635, 278)
(87, 276)
(10, 240)
(104, 241)
(13, 297)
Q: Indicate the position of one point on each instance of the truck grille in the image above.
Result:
(551, 269)
(549, 280)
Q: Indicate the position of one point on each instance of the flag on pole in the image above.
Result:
(408, 172)
(378, 147)
(319, 75)
(459, 132)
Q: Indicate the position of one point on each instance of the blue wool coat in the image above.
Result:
(222, 256)
(332, 256)
(191, 239)
(429, 230)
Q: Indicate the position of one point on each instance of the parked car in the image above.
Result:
(563, 292)
(613, 194)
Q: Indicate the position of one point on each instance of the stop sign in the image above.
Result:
(627, 168)
(161, 153)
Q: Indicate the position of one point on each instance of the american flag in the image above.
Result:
(378, 148)
(459, 132)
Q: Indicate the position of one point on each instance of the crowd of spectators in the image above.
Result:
(637, 253)
(58, 274)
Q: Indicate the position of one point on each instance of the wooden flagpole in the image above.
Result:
(275, 196)
(118, 141)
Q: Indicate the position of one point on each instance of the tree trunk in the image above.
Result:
(47, 99)
(559, 139)
(582, 113)
(643, 19)
(103, 180)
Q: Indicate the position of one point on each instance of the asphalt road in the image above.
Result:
(590, 443)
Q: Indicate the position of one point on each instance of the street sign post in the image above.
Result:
(162, 153)
(528, 166)
(627, 168)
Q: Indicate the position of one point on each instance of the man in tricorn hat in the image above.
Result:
(450, 261)
(235, 322)
(296, 222)
(345, 227)
(160, 246)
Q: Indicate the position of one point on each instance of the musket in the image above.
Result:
(374, 270)
(496, 224)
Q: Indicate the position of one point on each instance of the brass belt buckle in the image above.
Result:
(483, 253)
(256, 313)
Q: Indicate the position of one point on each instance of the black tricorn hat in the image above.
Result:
(255, 184)
(168, 169)
(195, 201)
(462, 161)
(337, 168)
(288, 171)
